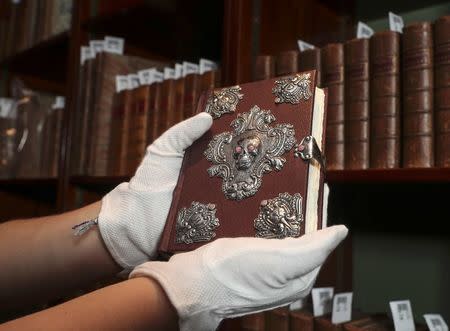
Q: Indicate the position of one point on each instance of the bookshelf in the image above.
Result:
(232, 32)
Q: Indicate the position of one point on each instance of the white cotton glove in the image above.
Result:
(133, 215)
(238, 276)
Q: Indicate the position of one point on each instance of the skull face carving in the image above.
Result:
(246, 151)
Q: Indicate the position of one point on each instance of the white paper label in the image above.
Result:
(178, 70)
(59, 103)
(86, 53)
(158, 76)
(363, 30)
(97, 46)
(169, 73)
(206, 65)
(190, 68)
(121, 83)
(296, 305)
(6, 106)
(303, 45)
(402, 315)
(342, 308)
(146, 76)
(133, 81)
(322, 298)
(395, 22)
(435, 322)
(114, 45)
(16, 2)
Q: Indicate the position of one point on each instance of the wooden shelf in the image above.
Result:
(46, 60)
(419, 175)
(43, 189)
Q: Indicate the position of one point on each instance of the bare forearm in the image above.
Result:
(41, 257)
(136, 304)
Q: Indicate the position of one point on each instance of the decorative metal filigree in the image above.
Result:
(196, 223)
(223, 101)
(280, 217)
(241, 157)
(308, 149)
(293, 89)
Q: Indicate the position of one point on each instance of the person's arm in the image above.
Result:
(136, 304)
(41, 257)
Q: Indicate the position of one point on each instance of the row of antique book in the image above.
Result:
(30, 134)
(27, 22)
(125, 102)
(388, 101)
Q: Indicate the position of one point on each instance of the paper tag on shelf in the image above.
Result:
(303, 45)
(114, 45)
(296, 305)
(363, 30)
(158, 76)
(6, 108)
(16, 2)
(395, 22)
(190, 68)
(121, 83)
(59, 103)
(322, 298)
(206, 65)
(133, 81)
(86, 53)
(169, 73)
(146, 76)
(435, 322)
(402, 315)
(178, 70)
(97, 46)
(342, 308)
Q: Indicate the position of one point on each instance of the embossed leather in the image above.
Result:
(195, 184)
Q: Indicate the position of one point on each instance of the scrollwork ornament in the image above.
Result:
(280, 217)
(293, 89)
(253, 148)
(196, 223)
(223, 101)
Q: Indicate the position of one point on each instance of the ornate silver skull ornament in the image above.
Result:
(293, 89)
(223, 101)
(241, 157)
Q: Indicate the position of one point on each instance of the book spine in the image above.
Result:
(116, 141)
(264, 67)
(356, 127)
(301, 321)
(442, 91)
(311, 60)
(179, 101)
(277, 319)
(156, 116)
(324, 324)
(253, 322)
(417, 83)
(191, 92)
(333, 78)
(287, 63)
(385, 100)
(167, 106)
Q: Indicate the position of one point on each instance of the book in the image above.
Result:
(417, 103)
(332, 59)
(385, 100)
(264, 67)
(253, 322)
(376, 322)
(356, 113)
(230, 177)
(323, 323)
(277, 319)
(442, 90)
(310, 59)
(301, 320)
(287, 63)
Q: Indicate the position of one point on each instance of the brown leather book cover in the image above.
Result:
(323, 323)
(277, 319)
(167, 105)
(156, 118)
(385, 100)
(179, 100)
(253, 322)
(301, 320)
(287, 63)
(356, 127)
(417, 83)
(244, 166)
(376, 322)
(209, 80)
(442, 91)
(264, 67)
(310, 59)
(191, 94)
(333, 78)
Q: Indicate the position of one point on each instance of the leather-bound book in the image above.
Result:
(277, 319)
(287, 63)
(385, 100)
(245, 167)
(156, 118)
(417, 83)
(209, 80)
(376, 322)
(323, 323)
(333, 78)
(179, 101)
(264, 67)
(356, 127)
(442, 91)
(167, 105)
(301, 320)
(191, 94)
(253, 322)
(310, 59)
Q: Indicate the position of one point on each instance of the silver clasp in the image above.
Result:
(308, 149)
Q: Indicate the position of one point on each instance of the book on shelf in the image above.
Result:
(264, 67)
(287, 63)
(277, 319)
(247, 159)
(301, 319)
(310, 59)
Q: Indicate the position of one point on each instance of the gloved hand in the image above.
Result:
(133, 215)
(238, 276)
